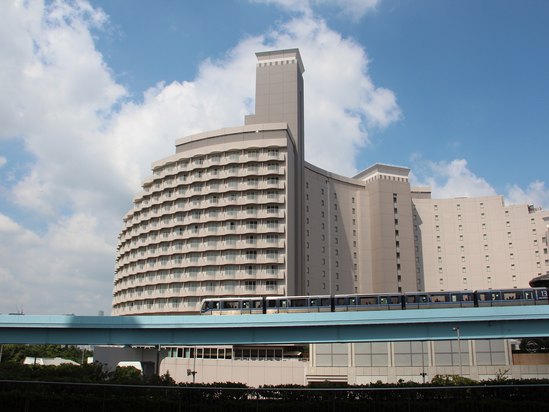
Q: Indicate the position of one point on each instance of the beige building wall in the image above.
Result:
(478, 243)
(388, 215)
(333, 241)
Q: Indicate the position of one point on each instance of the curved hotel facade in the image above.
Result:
(237, 212)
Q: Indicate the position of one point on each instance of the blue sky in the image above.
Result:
(95, 91)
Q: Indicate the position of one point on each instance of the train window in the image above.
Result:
(282, 303)
(440, 298)
(383, 300)
(215, 304)
(367, 300)
(483, 296)
(257, 304)
(496, 296)
(246, 304)
(341, 301)
(271, 303)
(512, 295)
(298, 303)
(528, 295)
(352, 301)
(394, 300)
(313, 302)
(325, 302)
(231, 304)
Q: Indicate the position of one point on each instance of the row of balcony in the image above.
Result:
(210, 175)
(214, 208)
(201, 252)
(167, 278)
(262, 223)
(179, 240)
(183, 249)
(225, 259)
(219, 159)
(222, 191)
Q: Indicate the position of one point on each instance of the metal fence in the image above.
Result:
(31, 396)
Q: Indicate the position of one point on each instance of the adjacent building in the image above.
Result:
(238, 211)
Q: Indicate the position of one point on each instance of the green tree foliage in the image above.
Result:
(18, 353)
(126, 375)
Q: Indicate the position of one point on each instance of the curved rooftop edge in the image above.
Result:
(227, 131)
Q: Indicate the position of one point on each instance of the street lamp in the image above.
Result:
(456, 329)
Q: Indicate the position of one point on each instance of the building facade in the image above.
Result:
(238, 211)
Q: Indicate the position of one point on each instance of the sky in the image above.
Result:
(94, 91)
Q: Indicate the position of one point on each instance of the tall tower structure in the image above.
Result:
(223, 216)
(279, 98)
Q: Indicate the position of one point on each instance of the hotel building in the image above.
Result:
(238, 211)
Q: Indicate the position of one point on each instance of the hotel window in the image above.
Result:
(251, 224)
(272, 224)
(272, 180)
(271, 285)
(272, 253)
(250, 285)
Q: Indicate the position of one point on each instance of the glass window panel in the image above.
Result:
(380, 360)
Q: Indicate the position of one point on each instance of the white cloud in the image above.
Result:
(454, 179)
(3, 161)
(451, 179)
(535, 194)
(91, 149)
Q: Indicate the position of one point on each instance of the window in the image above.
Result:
(270, 285)
(251, 254)
(250, 285)
(272, 209)
(272, 253)
(272, 224)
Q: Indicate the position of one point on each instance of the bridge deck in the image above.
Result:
(393, 325)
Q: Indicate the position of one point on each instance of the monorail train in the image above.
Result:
(383, 301)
